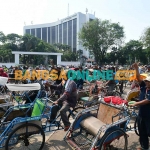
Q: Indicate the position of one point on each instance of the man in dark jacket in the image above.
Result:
(144, 110)
(67, 100)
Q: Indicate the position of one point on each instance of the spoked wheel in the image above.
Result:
(116, 93)
(28, 136)
(74, 112)
(114, 140)
(113, 93)
(136, 126)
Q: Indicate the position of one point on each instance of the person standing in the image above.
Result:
(144, 110)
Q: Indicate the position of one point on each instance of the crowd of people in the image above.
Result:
(67, 98)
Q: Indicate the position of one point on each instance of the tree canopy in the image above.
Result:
(103, 39)
(29, 43)
(98, 36)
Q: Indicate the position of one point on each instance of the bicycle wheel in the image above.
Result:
(136, 126)
(73, 113)
(116, 93)
(26, 136)
(114, 140)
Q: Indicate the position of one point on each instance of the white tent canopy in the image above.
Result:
(23, 87)
(3, 80)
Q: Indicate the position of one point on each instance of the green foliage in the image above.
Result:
(15, 42)
(102, 38)
(62, 47)
(2, 37)
(5, 54)
(68, 55)
(98, 36)
(146, 38)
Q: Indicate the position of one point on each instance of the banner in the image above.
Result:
(55, 75)
(40, 74)
(125, 75)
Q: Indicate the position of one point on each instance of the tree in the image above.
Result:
(13, 38)
(62, 47)
(2, 37)
(145, 38)
(29, 43)
(133, 50)
(99, 36)
(146, 42)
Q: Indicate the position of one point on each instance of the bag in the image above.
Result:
(38, 108)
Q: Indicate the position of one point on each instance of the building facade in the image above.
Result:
(64, 31)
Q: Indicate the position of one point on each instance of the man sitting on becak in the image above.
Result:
(67, 100)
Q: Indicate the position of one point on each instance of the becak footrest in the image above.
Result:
(72, 144)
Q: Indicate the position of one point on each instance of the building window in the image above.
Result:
(70, 33)
(27, 31)
(74, 35)
(60, 33)
(49, 34)
(53, 35)
(57, 35)
(44, 34)
(65, 33)
(38, 33)
(33, 32)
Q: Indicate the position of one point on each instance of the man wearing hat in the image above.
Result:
(144, 110)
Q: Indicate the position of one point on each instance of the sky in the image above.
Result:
(133, 15)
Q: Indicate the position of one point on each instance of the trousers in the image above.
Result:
(64, 107)
(144, 131)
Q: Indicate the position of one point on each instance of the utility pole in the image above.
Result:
(86, 10)
(68, 9)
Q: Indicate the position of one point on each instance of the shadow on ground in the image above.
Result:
(56, 142)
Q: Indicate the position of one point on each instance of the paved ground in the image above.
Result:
(56, 142)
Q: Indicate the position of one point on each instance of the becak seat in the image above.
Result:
(104, 117)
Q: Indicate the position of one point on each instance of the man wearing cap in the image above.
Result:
(144, 110)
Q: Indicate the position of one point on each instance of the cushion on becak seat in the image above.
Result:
(92, 125)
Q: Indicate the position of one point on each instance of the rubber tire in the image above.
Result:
(75, 110)
(116, 93)
(106, 135)
(136, 126)
(24, 125)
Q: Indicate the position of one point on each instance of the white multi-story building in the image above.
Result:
(64, 31)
